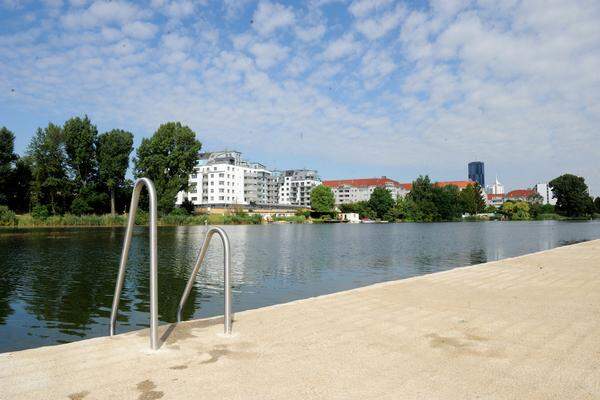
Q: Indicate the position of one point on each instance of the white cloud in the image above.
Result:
(140, 30)
(361, 8)
(514, 83)
(268, 54)
(270, 17)
(375, 66)
(233, 8)
(376, 27)
(179, 9)
(100, 13)
(341, 47)
(309, 34)
(176, 42)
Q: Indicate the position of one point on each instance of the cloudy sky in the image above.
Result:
(351, 88)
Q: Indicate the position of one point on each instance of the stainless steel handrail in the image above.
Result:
(226, 272)
(137, 188)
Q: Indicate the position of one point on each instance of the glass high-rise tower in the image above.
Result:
(477, 172)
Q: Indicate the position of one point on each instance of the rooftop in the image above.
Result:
(362, 182)
(520, 193)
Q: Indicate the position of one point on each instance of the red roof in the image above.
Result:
(362, 182)
(492, 196)
(520, 193)
(459, 184)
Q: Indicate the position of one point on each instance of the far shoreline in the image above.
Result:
(42, 225)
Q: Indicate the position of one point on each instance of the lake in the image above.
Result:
(57, 285)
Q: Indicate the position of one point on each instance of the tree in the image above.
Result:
(362, 208)
(7, 158)
(80, 147)
(168, 158)
(421, 194)
(571, 193)
(471, 200)
(20, 181)
(322, 199)
(113, 149)
(516, 211)
(381, 202)
(597, 205)
(447, 203)
(50, 183)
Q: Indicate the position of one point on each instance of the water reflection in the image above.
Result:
(57, 285)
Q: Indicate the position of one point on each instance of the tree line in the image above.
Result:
(73, 169)
(428, 202)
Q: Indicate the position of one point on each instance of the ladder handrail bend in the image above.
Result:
(137, 188)
(226, 272)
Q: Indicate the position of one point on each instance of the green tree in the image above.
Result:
(322, 199)
(381, 202)
(447, 203)
(113, 150)
(471, 200)
(516, 211)
(421, 194)
(597, 205)
(80, 146)
(50, 183)
(7, 159)
(20, 181)
(362, 208)
(571, 193)
(168, 158)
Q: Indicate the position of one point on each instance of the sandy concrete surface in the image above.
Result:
(521, 328)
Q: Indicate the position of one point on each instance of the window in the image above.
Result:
(194, 176)
(221, 175)
(221, 190)
(221, 197)
(221, 183)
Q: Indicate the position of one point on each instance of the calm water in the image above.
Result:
(56, 285)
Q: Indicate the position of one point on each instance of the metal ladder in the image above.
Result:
(226, 273)
(154, 342)
(137, 188)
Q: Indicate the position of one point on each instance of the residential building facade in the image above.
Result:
(295, 186)
(225, 179)
(353, 190)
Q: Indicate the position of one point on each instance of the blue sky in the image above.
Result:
(351, 88)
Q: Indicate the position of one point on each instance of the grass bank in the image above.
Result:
(69, 220)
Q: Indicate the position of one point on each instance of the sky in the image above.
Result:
(350, 88)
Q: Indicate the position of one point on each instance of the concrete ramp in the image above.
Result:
(521, 328)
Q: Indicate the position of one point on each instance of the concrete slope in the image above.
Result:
(521, 328)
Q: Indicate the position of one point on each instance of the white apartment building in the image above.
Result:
(547, 196)
(295, 186)
(223, 179)
(353, 190)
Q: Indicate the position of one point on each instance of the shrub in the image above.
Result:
(142, 217)
(80, 206)
(40, 212)
(7, 217)
(179, 211)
